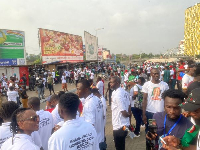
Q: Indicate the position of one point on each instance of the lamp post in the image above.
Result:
(97, 43)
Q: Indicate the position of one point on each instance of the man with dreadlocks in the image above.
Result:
(23, 123)
(5, 113)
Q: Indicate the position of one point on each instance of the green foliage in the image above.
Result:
(34, 59)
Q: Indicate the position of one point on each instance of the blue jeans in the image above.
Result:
(149, 115)
(41, 92)
(137, 113)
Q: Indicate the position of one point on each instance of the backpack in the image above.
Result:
(139, 99)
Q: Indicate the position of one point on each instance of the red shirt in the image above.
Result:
(181, 67)
(49, 110)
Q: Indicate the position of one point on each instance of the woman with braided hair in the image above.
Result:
(23, 123)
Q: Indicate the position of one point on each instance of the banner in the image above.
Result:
(12, 47)
(59, 46)
(8, 62)
(90, 46)
(11, 38)
(100, 53)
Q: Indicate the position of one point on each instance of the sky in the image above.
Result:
(130, 26)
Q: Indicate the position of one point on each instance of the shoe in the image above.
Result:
(137, 135)
(43, 98)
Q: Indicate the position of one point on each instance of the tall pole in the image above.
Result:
(97, 45)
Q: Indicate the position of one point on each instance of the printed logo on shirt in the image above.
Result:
(156, 94)
(99, 106)
(44, 122)
(3, 140)
(82, 142)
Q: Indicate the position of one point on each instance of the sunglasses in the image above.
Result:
(32, 118)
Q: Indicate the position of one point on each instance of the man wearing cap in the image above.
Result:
(191, 138)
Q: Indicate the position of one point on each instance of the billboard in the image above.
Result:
(12, 47)
(100, 53)
(59, 46)
(106, 54)
(91, 46)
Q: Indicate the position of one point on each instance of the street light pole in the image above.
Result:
(97, 43)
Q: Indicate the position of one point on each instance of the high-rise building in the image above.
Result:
(192, 30)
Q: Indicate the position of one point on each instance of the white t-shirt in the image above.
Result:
(82, 74)
(93, 113)
(74, 135)
(126, 76)
(56, 116)
(44, 81)
(103, 100)
(45, 127)
(53, 74)
(92, 75)
(120, 102)
(76, 76)
(20, 142)
(148, 69)
(154, 101)
(5, 132)
(5, 85)
(100, 87)
(12, 96)
(171, 73)
(131, 96)
(186, 80)
(63, 79)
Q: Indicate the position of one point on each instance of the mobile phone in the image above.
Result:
(163, 140)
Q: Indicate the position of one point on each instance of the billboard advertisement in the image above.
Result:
(91, 46)
(12, 43)
(100, 53)
(59, 46)
(106, 54)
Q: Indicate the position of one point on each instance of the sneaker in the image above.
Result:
(137, 135)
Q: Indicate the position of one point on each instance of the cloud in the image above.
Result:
(129, 26)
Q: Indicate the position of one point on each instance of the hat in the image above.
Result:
(192, 103)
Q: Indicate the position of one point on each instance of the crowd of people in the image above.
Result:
(155, 94)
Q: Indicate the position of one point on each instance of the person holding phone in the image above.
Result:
(170, 121)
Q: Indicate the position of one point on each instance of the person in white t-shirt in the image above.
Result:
(46, 121)
(82, 73)
(12, 94)
(76, 77)
(103, 100)
(64, 82)
(152, 96)
(92, 75)
(120, 107)
(100, 85)
(188, 77)
(6, 111)
(23, 123)
(92, 109)
(75, 133)
(55, 114)
(53, 75)
(137, 106)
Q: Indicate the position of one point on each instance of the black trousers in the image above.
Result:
(179, 85)
(119, 138)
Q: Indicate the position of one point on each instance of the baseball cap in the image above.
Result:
(192, 103)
